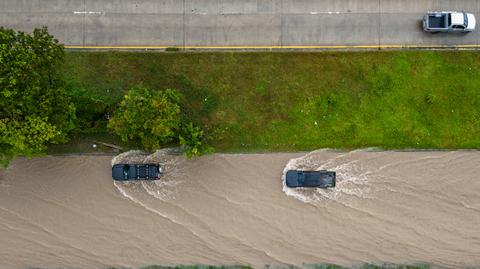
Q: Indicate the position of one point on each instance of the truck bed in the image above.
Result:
(437, 21)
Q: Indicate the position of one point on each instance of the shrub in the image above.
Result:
(153, 118)
(194, 141)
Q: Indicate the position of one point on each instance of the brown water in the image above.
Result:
(233, 209)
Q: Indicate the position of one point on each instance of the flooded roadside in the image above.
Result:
(234, 209)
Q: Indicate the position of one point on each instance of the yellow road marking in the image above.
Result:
(277, 47)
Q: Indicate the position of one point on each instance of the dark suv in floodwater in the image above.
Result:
(312, 179)
(136, 171)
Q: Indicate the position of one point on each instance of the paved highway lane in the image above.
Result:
(212, 23)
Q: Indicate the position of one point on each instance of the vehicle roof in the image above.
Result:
(320, 178)
(135, 171)
(457, 18)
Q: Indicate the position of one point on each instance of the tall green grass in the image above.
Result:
(288, 101)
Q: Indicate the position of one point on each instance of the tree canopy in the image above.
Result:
(152, 117)
(34, 109)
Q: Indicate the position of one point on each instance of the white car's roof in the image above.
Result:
(457, 18)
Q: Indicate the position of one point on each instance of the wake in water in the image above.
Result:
(163, 189)
(352, 178)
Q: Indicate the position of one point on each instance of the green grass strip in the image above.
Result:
(290, 101)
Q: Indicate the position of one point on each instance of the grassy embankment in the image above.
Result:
(290, 101)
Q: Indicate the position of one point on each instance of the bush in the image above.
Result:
(153, 118)
(194, 141)
(92, 111)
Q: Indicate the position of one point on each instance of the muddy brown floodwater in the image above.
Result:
(397, 207)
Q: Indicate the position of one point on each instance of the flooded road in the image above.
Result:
(400, 207)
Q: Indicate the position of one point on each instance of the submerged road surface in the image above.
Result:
(237, 23)
(226, 209)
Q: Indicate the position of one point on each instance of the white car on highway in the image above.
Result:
(449, 21)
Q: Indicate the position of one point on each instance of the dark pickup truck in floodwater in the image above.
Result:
(136, 172)
(310, 179)
(449, 21)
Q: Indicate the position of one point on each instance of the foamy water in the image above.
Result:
(399, 207)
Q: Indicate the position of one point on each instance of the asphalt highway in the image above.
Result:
(238, 23)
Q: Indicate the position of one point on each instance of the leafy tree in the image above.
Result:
(153, 118)
(194, 141)
(34, 109)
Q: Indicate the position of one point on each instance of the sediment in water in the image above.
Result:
(396, 207)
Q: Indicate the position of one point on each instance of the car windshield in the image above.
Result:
(125, 171)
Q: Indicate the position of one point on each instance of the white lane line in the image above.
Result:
(89, 12)
(327, 12)
(196, 12)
